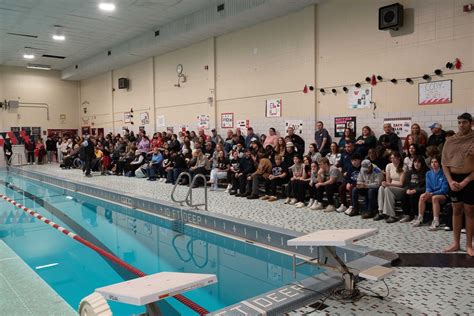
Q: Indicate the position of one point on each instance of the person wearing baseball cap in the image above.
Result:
(290, 153)
(368, 183)
(438, 136)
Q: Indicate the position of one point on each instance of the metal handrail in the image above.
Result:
(189, 196)
(177, 183)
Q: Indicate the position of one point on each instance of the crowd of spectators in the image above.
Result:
(384, 171)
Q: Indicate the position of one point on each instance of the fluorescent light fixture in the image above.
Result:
(69, 197)
(58, 37)
(28, 56)
(38, 66)
(47, 266)
(107, 6)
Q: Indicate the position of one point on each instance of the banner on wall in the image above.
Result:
(435, 92)
(243, 124)
(296, 124)
(273, 108)
(341, 123)
(203, 121)
(144, 118)
(227, 120)
(160, 121)
(401, 125)
(359, 98)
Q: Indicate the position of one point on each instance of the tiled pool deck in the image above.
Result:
(23, 292)
(427, 290)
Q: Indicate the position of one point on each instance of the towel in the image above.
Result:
(456, 150)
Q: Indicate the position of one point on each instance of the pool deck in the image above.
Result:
(429, 289)
(23, 292)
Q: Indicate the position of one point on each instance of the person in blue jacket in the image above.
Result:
(436, 193)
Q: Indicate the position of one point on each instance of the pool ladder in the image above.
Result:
(189, 195)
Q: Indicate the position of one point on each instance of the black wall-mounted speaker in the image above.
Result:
(123, 83)
(391, 17)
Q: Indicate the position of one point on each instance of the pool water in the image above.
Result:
(150, 243)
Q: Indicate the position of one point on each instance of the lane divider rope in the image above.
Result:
(192, 305)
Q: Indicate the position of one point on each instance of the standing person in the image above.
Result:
(87, 155)
(30, 151)
(458, 167)
(50, 148)
(7, 150)
(322, 138)
(296, 140)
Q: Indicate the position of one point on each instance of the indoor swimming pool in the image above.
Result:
(148, 242)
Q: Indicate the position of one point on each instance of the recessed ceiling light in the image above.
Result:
(57, 37)
(28, 56)
(38, 66)
(107, 6)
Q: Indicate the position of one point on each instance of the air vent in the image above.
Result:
(23, 35)
(109, 53)
(157, 33)
(53, 56)
(220, 7)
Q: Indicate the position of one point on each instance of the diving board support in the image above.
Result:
(152, 288)
(330, 239)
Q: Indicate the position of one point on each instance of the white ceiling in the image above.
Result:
(90, 31)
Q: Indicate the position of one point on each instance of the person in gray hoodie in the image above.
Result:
(368, 183)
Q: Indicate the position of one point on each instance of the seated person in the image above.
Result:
(290, 153)
(246, 167)
(234, 167)
(413, 151)
(219, 169)
(349, 182)
(436, 193)
(260, 175)
(334, 155)
(201, 165)
(302, 184)
(69, 158)
(297, 174)
(313, 179)
(178, 165)
(415, 185)
(377, 159)
(365, 141)
(391, 189)
(154, 164)
(314, 153)
(329, 180)
(368, 182)
(137, 162)
(278, 177)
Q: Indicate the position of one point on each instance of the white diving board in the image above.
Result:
(155, 287)
(333, 237)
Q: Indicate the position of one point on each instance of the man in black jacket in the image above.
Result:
(246, 167)
(87, 154)
(50, 148)
(296, 140)
(7, 150)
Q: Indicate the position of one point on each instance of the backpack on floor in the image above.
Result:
(140, 173)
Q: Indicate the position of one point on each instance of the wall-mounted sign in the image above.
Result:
(127, 117)
(203, 121)
(144, 118)
(401, 125)
(273, 108)
(296, 124)
(435, 92)
(359, 98)
(341, 123)
(227, 120)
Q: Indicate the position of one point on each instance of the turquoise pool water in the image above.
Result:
(150, 243)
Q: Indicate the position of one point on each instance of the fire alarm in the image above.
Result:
(468, 7)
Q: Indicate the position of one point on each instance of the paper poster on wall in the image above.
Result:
(127, 117)
(359, 98)
(401, 125)
(227, 120)
(160, 121)
(341, 123)
(435, 92)
(296, 124)
(170, 129)
(144, 118)
(243, 125)
(203, 121)
(273, 108)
